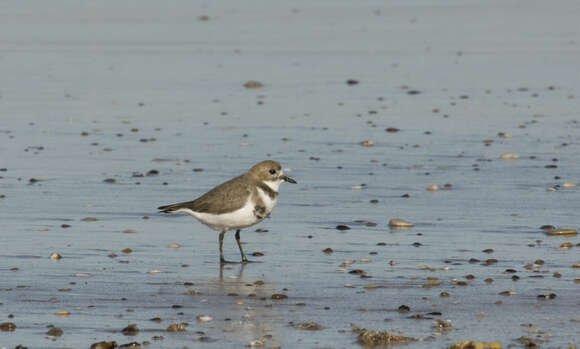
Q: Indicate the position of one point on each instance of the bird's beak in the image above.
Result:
(288, 179)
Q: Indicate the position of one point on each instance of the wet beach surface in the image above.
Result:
(107, 112)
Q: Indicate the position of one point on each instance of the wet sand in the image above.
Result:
(94, 97)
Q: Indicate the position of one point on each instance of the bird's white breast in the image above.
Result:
(241, 218)
(269, 203)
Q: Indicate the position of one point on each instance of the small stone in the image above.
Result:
(253, 84)
(328, 250)
(569, 185)
(55, 256)
(444, 294)
(127, 250)
(7, 326)
(174, 245)
(151, 173)
(258, 254)
(65, 226)
(83, 275)
(400, 223)
(342, 227)
(278, 296)
(352, 82)
(367, 143)
(104, 345)
(507, 293)
(381, 339)
(566, 232)
(54, 332)
(110, 180)
(89, 219)
(257, 343)
(130, 231)
(547, 227)
(404, 309)
(130, 330)
(476, 345)
(433, 187)
(63, 313)
(204, 318)
(308, 326)
(392, 129)
(508, 156)
(177, 327)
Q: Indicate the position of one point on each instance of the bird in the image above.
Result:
(239, 203)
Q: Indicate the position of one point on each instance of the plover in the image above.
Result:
(238, 203)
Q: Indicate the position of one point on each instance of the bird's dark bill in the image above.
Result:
(288, 179)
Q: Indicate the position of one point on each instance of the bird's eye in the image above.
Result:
(272, 171)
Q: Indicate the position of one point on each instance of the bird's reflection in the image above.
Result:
(244, 303)
(240, 274)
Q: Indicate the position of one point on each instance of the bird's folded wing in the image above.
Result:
(221, 199)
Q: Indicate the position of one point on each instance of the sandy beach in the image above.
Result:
(461, 118)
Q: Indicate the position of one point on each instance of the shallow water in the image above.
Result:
(105, 69)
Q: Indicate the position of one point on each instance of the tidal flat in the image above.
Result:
(435, 145)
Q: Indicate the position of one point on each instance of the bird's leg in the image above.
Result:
(244, 259)
(221, 239)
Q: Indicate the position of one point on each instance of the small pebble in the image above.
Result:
(566, 232)
(7, 327)
(508, 156)
(177, 327)
(433, 187)
(308, 326)
(367, 143)
(400, 223)
(83, 275)
(253, 84)
(104, 345)
(342, 227)
(279, 296)
(404, 309)
(204, 318)
(55, 256)
(54, 332)
(130, 330)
